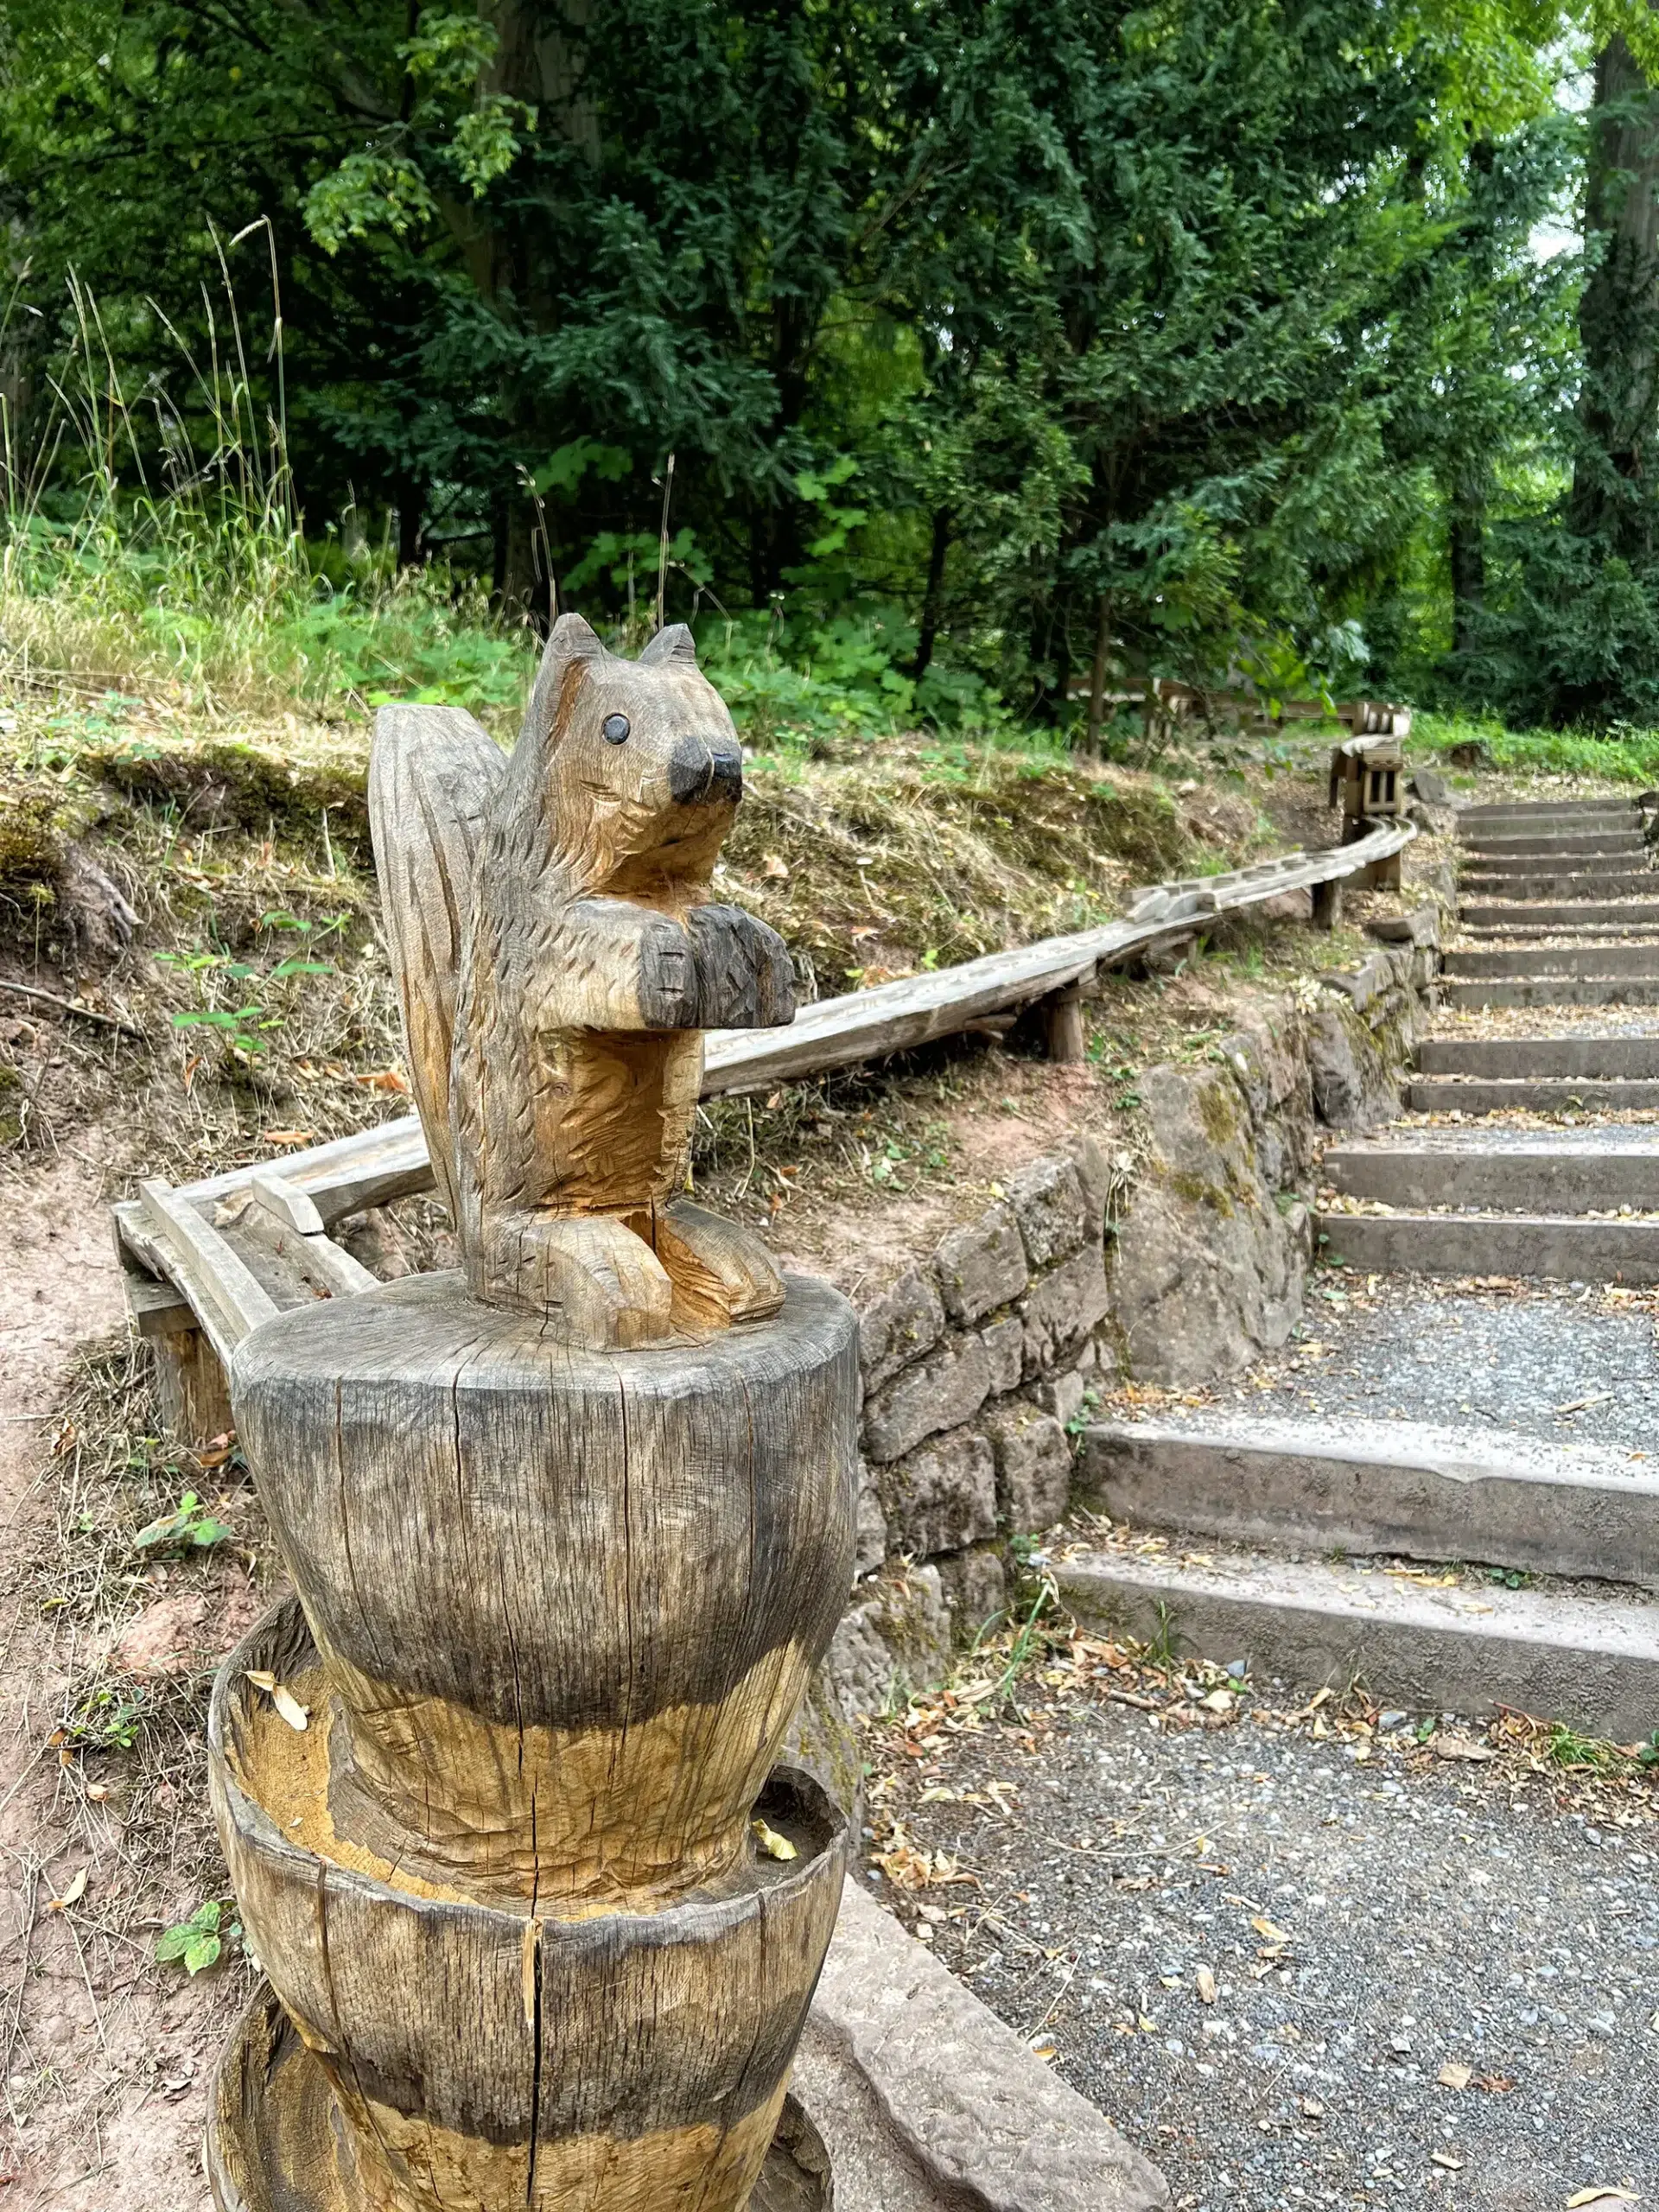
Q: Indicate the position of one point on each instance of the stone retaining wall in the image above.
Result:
(979, 1359)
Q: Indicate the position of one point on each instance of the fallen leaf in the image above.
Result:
(1207, 1985)
(1449, 2159)
(1455, 2075)
(775, 867)
(382, 1079)
(296, 1715)
(1041, 2047)
(72, 1895)
(774, 1845)
(1603, 2192)
(1265, 1929)
(290, 1136)
(1464, 1748)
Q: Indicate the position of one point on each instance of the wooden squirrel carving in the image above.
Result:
(557, 957)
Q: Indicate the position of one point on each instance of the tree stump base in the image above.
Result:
(566, 1601)
(275, 2141)
(468, 2054)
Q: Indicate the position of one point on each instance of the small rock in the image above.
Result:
(982, 1265)
(907, 1321)
(939, 1392)
(1048, 1204)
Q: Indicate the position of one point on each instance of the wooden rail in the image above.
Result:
(244, 1243)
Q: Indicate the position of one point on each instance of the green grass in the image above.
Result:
(1622, 754)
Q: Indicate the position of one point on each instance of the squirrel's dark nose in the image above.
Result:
(698, 772)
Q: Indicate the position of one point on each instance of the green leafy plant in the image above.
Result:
(191, 1527)
(198, 1941)
(107, 1719)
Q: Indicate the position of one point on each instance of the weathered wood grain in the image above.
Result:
(488, 2057)
(592, 960)
(432, 773)
(227, 1298)
(277, 2140)
(568, 1600)
(558, 956)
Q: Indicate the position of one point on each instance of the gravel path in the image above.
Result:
(1366, 1924)
(1568, 1363)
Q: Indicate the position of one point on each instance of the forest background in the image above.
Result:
(959, 363)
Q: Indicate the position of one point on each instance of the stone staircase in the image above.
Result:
(1459, 1432)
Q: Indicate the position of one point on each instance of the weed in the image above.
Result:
(189, 1526)
(1565, 1747)
(1159, 1651)
(197, 1943)
(107, 1719)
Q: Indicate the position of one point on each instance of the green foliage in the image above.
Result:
(1622, 754)
(189, 1526)
(924, 359)
(198, 1941)
(107, 1720)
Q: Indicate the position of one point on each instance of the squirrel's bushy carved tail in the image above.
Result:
(432, 771)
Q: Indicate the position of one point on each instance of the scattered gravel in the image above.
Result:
(1362, 1926)
(1568, 1361)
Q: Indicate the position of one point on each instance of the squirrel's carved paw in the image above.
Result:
(601, 1285)
(721, 1272)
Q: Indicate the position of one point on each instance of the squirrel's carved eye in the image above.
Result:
(614, 729)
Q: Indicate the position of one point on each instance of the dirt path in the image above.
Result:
(91, 2037)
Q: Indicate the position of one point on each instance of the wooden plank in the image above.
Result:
(157, 1309)
(227, 1300)
(313, 1263)
(369, 1168)
(274, 1194)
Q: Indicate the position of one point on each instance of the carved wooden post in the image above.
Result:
(568, 1532)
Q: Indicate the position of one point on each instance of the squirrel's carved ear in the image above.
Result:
(675, 644)
(570, 639)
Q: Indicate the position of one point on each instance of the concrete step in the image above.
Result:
(1554, 990)
(1608, 959)
(1478, 933)
(1540, 1056)
(1527, 916)
(1551, 1174)
(1564, 813)
(1594, 844)
(1553, 1246)
(1591, 1663)
(1568, 1095)
(1613, 881)
(1400, 1488)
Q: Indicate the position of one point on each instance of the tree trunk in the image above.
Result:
(1619, 317)
(1468, 552)
(933, 596)
(1098, 673)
